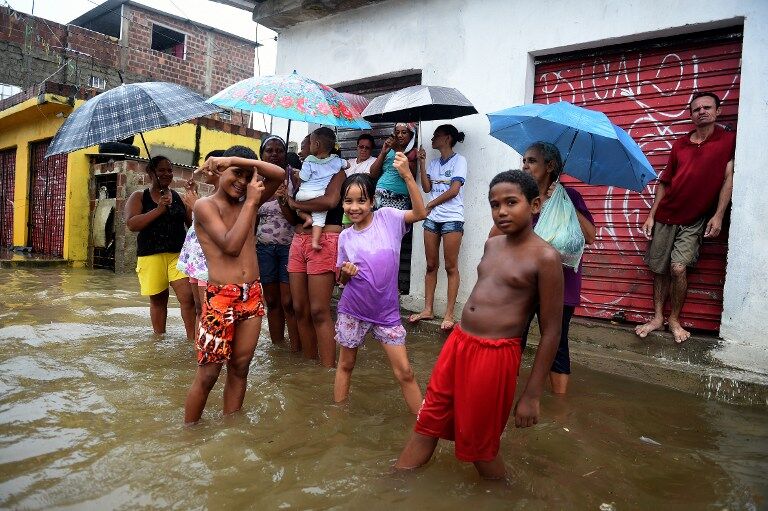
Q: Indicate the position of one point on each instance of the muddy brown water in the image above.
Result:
(91, 412)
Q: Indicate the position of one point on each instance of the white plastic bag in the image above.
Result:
(559, 226)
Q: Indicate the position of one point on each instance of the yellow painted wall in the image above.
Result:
(183, 137)
(32, 121)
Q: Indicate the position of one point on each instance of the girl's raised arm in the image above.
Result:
(417, 212)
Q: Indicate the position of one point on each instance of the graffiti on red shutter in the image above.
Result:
(646, 91)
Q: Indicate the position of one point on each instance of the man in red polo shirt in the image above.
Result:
(691, 197)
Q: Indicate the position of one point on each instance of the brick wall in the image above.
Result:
(213, 61)
(131, 176)
(33, 49)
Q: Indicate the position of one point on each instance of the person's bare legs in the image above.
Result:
(300, 298)
(660, 292)
(158, 311)
(275, 315)
(347, 358)
(432, 253)
(243, 346)
(185, 295)
(197, 396)
(320, 288)
(398, 359)
(286, 301)
(677, 291)
(198, 295)
(493, 470)
(417, 452)
(451, 247)
(559, 382)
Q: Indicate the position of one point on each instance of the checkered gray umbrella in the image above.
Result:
(127, 110)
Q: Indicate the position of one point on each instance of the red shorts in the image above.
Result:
(302, 258)
(225, 306)
(471, 393)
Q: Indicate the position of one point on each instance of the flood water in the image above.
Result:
(91, 408)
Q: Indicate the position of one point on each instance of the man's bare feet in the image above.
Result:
(679, 333)
(655, 324)
(425, 314)
(447, 324)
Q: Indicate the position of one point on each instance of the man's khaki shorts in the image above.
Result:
(674, 244)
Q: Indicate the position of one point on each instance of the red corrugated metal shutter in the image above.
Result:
(645, 88)
(7, 182)
(47, 197)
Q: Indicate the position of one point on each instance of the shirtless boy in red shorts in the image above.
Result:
(472, 388)
(231, 316)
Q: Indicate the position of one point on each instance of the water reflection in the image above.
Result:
(91, 406)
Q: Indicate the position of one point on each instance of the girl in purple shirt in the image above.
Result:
(368, 260)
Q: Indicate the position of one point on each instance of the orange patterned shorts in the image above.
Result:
(224, 307)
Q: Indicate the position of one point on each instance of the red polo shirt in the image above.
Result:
(694, 177)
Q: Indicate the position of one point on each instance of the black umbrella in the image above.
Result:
(419, 103)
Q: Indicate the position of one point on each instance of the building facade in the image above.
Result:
(637, 61)
(46, 204)
(120, 37)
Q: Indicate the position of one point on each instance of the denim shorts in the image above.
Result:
(273, 263)
(441, 228)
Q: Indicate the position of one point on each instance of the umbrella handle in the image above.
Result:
(418, 148)
(288, 133)
(149, 156)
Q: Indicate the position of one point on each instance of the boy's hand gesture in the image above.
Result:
(401, 164)
(349, 269)
(190, 194)
(255, 189)
(216, 165)
(526, 412)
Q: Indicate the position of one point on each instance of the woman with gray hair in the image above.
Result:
(544, 163)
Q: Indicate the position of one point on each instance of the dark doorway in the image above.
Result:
(347, 139)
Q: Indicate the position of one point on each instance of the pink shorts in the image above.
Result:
(302, 258)
(199, 282)
(350, 332)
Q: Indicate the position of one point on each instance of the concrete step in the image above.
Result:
(701, 366)
(24, 261)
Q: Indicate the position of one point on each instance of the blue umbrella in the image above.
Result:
(594, 150)
(126, 110)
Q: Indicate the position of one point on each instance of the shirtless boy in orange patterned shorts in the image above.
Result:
(231, 317)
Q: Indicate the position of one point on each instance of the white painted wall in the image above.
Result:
(486, 50)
